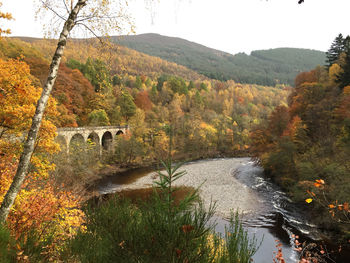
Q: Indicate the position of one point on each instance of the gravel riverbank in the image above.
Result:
(217, 181)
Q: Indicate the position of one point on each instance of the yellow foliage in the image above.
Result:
(6, 16)
(217, 246)
(334, 71)
(208, 128)
(309, 200)
(346, 90)
(38, 206)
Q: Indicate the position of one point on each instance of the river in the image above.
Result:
(236, 183)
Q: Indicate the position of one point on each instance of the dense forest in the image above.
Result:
(305, 146)
(94, 87)
(205, 114)
(300, 135)
(264, 67)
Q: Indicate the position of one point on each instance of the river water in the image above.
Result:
(236, 183)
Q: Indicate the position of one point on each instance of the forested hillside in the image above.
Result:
(264, 67)
(305, 147)
(111, 86)
(85, 193)
(120, 59)
(118, 86)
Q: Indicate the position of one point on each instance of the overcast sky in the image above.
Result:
(229, 25)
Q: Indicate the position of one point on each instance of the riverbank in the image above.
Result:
(216, 182)
(112, 170)
(274, 215)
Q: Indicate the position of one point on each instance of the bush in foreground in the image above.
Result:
(162, 230)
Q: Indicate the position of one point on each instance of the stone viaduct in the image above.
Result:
(103, 137)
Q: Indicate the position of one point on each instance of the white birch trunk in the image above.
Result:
(26, 155)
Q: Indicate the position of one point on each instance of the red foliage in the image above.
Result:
(72, 90)
(143, 101)
(278, 120)
(143, 78)
(343, 110)
(304, 77)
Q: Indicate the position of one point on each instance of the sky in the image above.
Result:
(228, 25)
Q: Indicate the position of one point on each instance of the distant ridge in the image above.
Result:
(127, 60)
(264, 67)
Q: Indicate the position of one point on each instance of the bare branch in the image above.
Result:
(64, 2)
(91, 31)
(52, 10)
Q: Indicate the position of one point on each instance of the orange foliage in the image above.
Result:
(304, 77)
(39, 206)
(142, 101)
(74, 93)
(278, 257)
(6, 16)
(293, 127)
(225, 104)
(121, 59)
(338, 210)
(343, 110)
(18, 99)
(278, 120)
(72, 90)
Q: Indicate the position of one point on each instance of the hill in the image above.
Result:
(122, 60)
(116, 86)
(264, 67)
(111, 82)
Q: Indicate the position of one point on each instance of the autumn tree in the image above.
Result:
(89, 15)
(6, 16)
(142, 101)
(343, 78)
(303, 77)
(39, 208)
(308, 142)
(96, 71)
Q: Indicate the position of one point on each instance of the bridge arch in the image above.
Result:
(120, 132)
(94, 138)
(93, 141)
(107, 141)
(61, 140)
(76, 143)
(102, 136)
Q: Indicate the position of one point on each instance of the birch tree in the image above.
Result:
(97, 18)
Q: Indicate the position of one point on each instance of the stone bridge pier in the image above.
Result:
(102, 137)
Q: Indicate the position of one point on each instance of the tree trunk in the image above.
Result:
(26, 155)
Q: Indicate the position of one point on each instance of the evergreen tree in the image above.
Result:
(337, 47)
(161, 81)
(191, 85)
(116, 80)
(127, 105)
(138, 82)
(347, 43)
(344, 77)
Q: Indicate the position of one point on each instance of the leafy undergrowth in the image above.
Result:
(160, 230)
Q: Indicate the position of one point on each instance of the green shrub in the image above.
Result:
(161, 230)
(6, 242)
(238, 247)
(30, 246)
